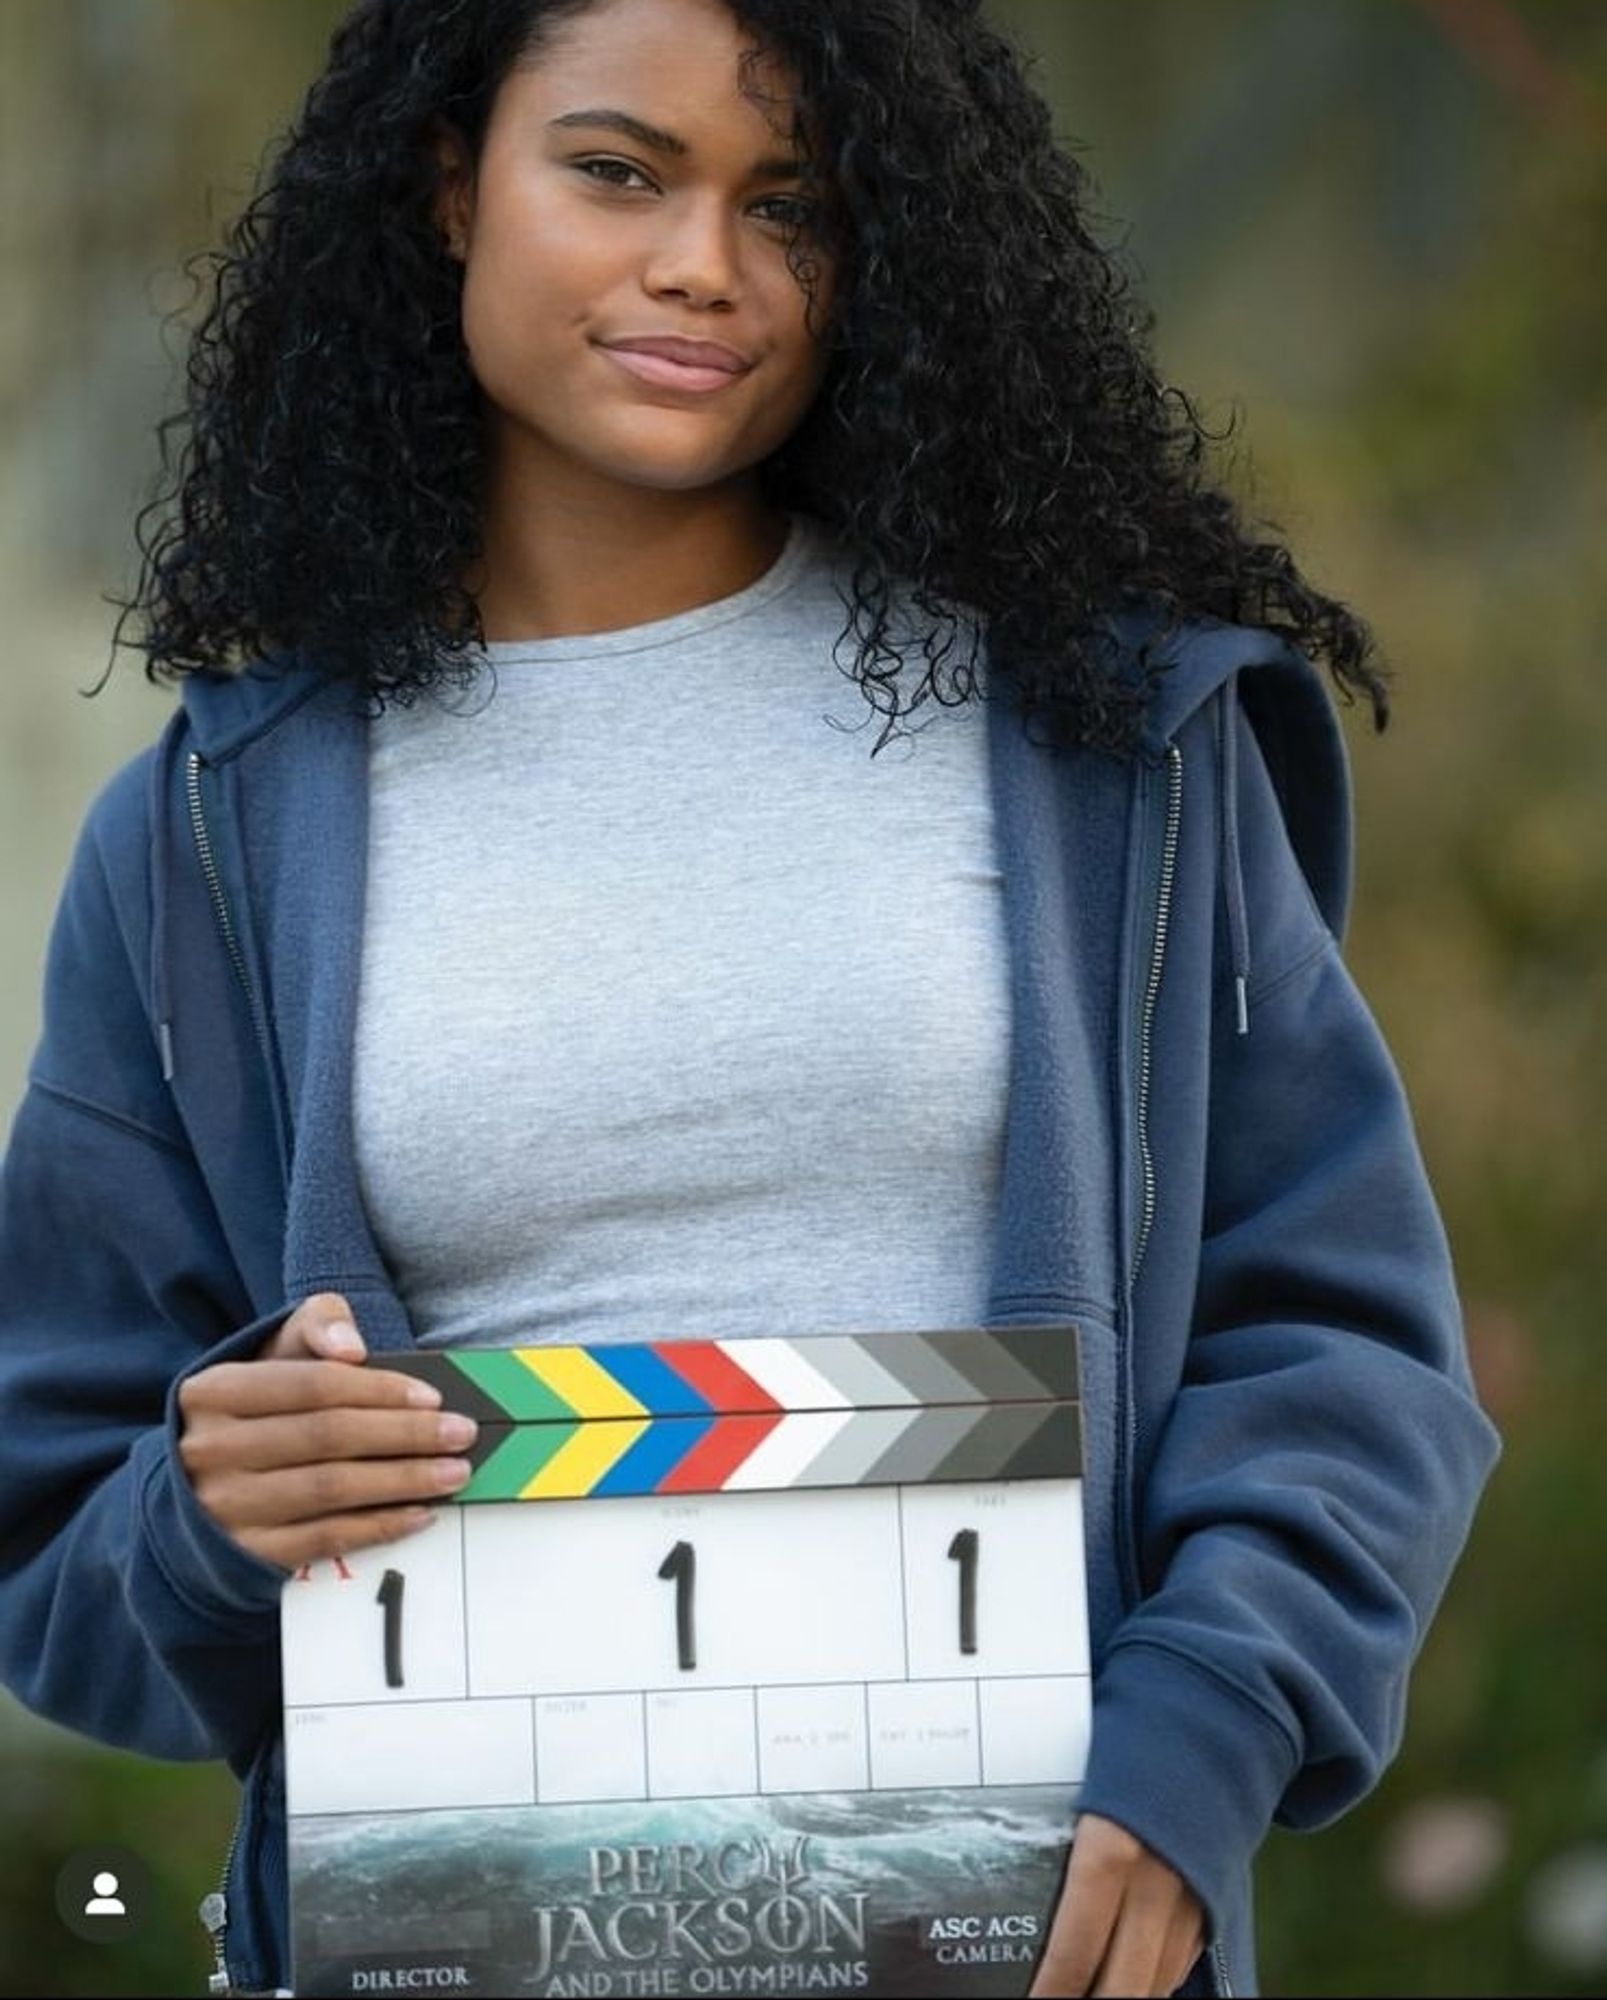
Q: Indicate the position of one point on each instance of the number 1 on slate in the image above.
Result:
(964, 1550)
(681, 1565)
(389, 1594)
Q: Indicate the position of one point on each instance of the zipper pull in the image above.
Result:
(214, 1914)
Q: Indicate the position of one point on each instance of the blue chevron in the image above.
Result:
(658, 1451)
(654, 1384)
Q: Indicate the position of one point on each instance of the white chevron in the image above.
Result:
(789, 1450)
(779, 1368)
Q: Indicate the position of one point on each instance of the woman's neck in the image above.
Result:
(560, 564)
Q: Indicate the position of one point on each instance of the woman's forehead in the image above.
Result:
(678, 68)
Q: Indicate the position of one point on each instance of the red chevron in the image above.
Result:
(714, 1375)
(718, 1453)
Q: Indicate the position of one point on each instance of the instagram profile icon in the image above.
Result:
(103, 1893)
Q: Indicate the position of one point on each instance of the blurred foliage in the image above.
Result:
(1376, 234)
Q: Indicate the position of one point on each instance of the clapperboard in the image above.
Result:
(739, 1667)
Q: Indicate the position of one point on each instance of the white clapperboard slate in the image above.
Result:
(739, 1667)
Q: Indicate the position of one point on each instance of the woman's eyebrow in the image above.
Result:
(659, 141)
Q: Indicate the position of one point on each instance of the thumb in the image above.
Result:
(321, 1328)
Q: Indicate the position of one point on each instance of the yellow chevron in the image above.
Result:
(575, 1468)
(586, 1386)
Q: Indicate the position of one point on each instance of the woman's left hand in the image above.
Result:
(1126, 1922)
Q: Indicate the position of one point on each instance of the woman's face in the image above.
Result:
(626, 192)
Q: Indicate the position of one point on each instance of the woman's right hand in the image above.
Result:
(303, 1454)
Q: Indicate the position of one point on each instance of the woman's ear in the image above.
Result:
(454, 188)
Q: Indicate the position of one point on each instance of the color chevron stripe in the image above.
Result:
(751, 1376)
(721, 1381)
(762, 1414)
(580, 1378)
(716, 1456)
(677, 1455)
(506, 1460)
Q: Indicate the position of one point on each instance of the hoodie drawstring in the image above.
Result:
(1232, 868)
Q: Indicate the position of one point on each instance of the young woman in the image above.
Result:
(607, 405)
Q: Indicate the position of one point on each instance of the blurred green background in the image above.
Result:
(1376, 233)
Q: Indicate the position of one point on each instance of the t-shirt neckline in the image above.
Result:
(780, 576)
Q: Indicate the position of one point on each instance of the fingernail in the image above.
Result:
(341, 1337)
(423, 1396)
(454, 1429)
(450, 1472)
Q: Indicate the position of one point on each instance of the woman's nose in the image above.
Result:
(694, 254)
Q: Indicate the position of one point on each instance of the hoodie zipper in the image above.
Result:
(214, 1914)
(1163, 914)
(214, 883)
(1219, 1971)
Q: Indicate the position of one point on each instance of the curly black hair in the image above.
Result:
(991, 429)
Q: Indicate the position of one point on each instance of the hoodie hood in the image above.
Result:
(1288, 705)
(1297, 727)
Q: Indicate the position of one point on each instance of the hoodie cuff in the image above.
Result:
(202, 1564)
(204, 1567)
(1189, 1765)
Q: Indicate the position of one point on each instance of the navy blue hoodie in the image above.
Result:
(1209, 1165)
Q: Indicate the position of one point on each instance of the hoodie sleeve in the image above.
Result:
(125, 1611)
(1315, 1479)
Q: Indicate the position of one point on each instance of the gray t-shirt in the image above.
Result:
(680, 1014)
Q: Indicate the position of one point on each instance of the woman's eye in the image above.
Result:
(796, 212)
(607, 170)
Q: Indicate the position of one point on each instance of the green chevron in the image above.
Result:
(516, 1461)
(521, 1393)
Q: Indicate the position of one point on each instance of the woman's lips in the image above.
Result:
(664, 373)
